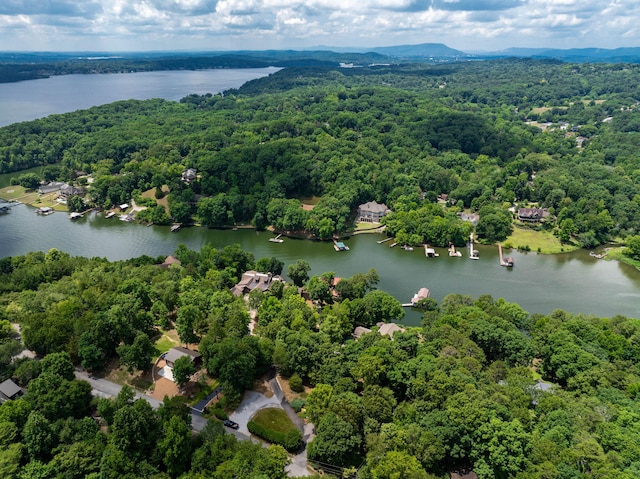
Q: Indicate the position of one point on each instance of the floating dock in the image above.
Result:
(452, 251)
(430, 252)
(276, 239)
(176, 227)
(384, 240)
(393, 245)
(110, 214)
(507, 262)
(75, 215)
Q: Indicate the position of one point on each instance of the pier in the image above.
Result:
(422, 293)
(384, 240)
(452, 251)
(507, 262)
(176, 227)
(276, 239)
(340, 246)
(473, 253)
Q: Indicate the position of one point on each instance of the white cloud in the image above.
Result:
(258, 24)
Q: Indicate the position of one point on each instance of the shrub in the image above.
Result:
(220, 414)
(274, 426)
(298, 404)
(295, 383)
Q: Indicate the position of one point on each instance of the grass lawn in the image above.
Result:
(30, 197)
(538, 241)
(274, 419)
(162, 201)
(364, 226)
(166, 341)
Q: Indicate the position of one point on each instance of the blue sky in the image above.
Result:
(468, 25)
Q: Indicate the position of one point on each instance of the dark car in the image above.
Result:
(231, 424)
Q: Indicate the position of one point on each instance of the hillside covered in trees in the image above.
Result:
(487, 134)
(480, 384)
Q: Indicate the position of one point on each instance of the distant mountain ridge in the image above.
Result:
(577, 55)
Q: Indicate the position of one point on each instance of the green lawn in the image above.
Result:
(164, 343)
(537, 241)
(274, 419)
(616, 254)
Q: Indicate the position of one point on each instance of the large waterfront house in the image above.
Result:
(372, 212)
(532, 214)
(252, 280)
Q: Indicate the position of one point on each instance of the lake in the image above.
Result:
(574, 281)
(32, 99)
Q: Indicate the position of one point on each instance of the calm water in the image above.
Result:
(33, 99)
(574, 282)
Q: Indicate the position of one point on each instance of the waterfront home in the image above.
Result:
(252, 279)
(532, 214)
(384, 329)
(68, 190)
(169, 262)
(51, 187)
(372, 212)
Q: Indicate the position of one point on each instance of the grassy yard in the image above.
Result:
(30, 197)
(274, 419)
(372, 227)
(616, 254)
(162, 201)
(538, 241)
(166, 341)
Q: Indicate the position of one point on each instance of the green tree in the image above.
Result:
(175, 446)
(138, 354)
(396, 465)
(299, 272)
(633, 247)
(335, 443)
(182, 370)
(38, 436)
(29, 181)
(58, 363)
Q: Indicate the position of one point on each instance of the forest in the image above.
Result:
(489, 135)
(481, 384)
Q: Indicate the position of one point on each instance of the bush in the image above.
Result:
(298, 404)
(274, 425)
(220, 414)
(295, 383)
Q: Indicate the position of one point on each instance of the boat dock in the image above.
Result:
(452, 251)
(110, 214)
(473, 253)
(176, 227)
(508, 262)
(422, 293)
(384, 240)
(340, 246)
(393, 245)
(430, 252)
(276, 239)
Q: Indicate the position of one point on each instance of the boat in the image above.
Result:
(176, 227)
(452, 251)
(75, 215)
(276, 239)
(110, 214)
(406, 247)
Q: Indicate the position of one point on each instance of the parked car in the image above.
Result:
(231, 424)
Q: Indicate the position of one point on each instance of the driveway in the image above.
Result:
(252, 402)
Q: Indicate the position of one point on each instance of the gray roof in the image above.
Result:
(374, 207)
(9, 389)
(175, 353)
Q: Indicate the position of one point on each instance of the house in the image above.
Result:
(532, 214)
(372, 212)
(252, 279)
(389, 329)
(170, 261)
(472, 218)
(68, 190)
(189, 175)
(174, 354)
(359, 331)
(51, 187)
(9, 390)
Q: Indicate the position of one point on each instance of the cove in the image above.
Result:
(574, 282)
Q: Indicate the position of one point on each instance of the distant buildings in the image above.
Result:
(384, 329)
(9, 390)
(189, 175)
(372, 212)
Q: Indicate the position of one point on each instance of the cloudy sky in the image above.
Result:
(468, 25)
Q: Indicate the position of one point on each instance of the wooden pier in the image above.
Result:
(473, 253)
(430, 252)
(276, 239)
(507, 262)
(384, 240)
(176, 227)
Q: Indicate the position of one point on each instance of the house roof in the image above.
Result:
(175, 353)
(359, 331)
(171, 260)
(389, 329)
(374, 207)
(9, 389)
